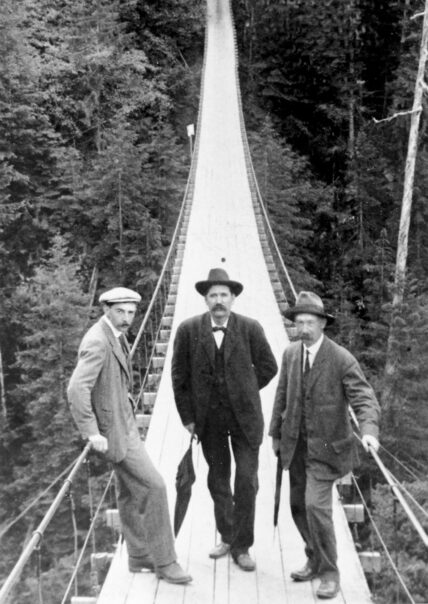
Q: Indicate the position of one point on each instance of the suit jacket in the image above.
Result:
(335, 380)
(98, 389)
(249, 366)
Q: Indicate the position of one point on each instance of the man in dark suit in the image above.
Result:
(311, 430)
(98, 394)
(220, 362)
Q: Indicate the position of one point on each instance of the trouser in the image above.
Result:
(311, 503)
(234, 514)
(143, 505)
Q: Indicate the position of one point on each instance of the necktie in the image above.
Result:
(307, 367)
(124, 344)
(223, 329)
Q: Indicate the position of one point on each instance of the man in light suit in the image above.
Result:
(311, 431)
(102, 408)
(220, 362)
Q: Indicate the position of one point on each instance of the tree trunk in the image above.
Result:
(406, 207)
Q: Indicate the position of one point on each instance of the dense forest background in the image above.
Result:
(95, 96)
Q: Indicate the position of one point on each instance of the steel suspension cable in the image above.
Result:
(37, 499)
(395, 489)
(39, 532)
(382, 542)
(400, 463)
(85, 543)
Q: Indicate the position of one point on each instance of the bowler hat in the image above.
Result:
(218, 276)
(308, 302)
(118, 295)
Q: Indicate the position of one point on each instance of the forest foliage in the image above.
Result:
(95, 96)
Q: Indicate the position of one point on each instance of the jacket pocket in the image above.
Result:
(344, 444)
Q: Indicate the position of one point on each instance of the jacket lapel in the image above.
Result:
(207, 339)
(231, 337)
(116, 348)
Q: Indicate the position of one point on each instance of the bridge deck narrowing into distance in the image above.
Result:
(223, 226)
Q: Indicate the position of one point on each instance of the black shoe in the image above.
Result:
(328, 588)
(307, 573)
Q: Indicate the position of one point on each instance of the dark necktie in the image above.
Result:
(307, 367)
(223, 329)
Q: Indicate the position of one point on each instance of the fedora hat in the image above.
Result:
(218, 276)
(308, 302)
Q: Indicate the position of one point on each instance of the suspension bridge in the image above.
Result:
(222, 222)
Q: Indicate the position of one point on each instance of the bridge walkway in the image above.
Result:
(222, 231)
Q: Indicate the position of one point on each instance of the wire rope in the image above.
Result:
(383, 544)
(36, 500)
(411, 497)
(85, 543)
(400, 463)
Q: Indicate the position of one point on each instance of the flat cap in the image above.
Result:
(119, 294)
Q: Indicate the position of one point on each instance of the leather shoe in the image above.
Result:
(173, 573)
(137, 565)
(328, 589)
(306, 573)
(220, 550)
(244, 561)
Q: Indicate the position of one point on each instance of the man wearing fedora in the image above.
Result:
(312, 433)
(102, 408)
(220, 362)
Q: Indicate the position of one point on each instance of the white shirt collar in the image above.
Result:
(314, 348)
(215, 324)
(115, 331)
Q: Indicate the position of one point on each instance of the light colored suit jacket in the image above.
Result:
(335, 381)
(98, 389)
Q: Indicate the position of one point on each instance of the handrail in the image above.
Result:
(271, 233)
(249, 163)
(386, 473)
(38, 533)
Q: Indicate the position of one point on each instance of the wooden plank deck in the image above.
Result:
(223, 226)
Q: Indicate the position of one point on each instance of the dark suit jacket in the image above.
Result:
(249, 366)
(335, 380)
(98, 389)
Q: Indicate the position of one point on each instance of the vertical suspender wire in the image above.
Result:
(85, 543)
(38, 533)
(394, 488)
(75, 536)
(39, 575)
(383, 544)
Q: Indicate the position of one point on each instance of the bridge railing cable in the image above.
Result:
(258, 201)
(37, 535)
(383, 544)
(393, 483)
(159, 314)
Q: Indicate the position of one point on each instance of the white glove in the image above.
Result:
(368, 441)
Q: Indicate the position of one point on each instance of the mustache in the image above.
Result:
(219, 307)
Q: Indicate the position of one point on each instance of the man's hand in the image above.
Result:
(99, 443)
(275, 445)
(367, 440)
(190, 428)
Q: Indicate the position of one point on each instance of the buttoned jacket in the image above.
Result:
(98, 389)
(335, 381)
(249, 366)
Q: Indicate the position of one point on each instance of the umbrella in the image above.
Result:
(183, 484)
(278, 484)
